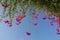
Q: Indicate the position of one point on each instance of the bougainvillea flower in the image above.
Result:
(45, 17)
(3, 5)
(35, 16)
(51, 23)
(35, 24)
(10, 25)
(57, 21)
(19, 18)
(57, 31)
(28, 33)
(33, 13)
(6, 21)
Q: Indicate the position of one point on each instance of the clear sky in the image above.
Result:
(43, 31)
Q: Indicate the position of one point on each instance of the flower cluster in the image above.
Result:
(8, 22)
(52, 7)
(52, 21)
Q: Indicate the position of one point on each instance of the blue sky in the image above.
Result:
(43, 31)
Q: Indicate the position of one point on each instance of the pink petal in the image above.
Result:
(6, 21)
(44, 18)
(35, 24)
(53, 20)
(10, 24)
(51, 23)
(57, 21)
(33, 13)
(57, 31)
(3, 5)
(28, 33)
(17, 18)
(35, 16)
